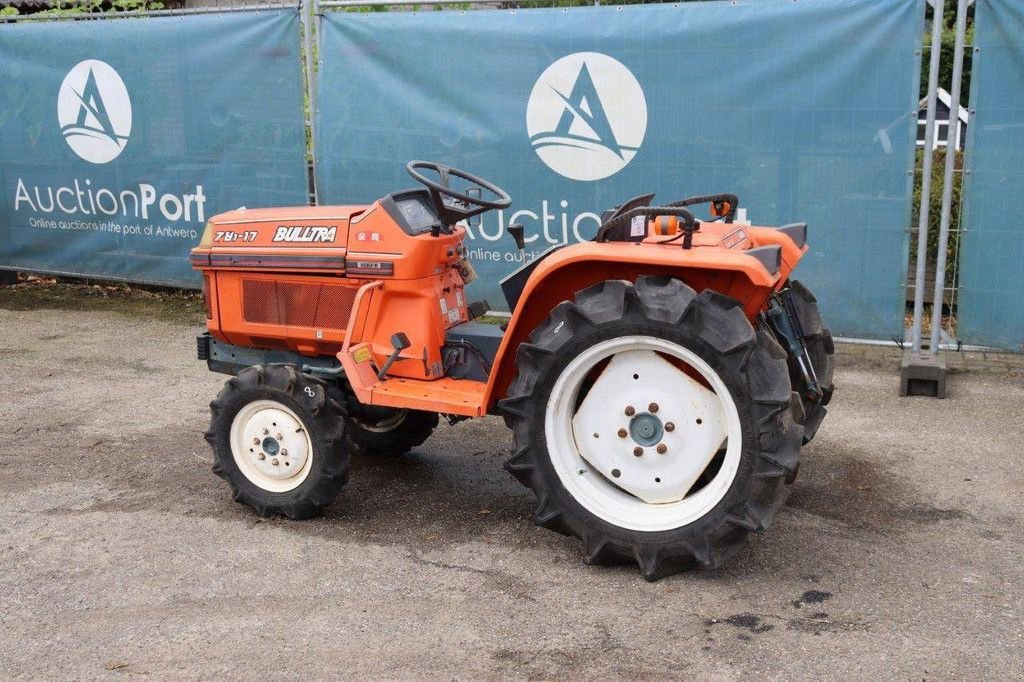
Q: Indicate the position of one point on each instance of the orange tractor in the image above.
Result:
(659, 380)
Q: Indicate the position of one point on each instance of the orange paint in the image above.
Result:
(340, 280)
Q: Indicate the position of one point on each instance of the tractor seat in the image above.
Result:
(622, 232)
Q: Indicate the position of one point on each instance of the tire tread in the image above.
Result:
(660, 302)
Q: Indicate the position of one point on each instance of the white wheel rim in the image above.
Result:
(586, 448)
(271, 446)
(384, 425)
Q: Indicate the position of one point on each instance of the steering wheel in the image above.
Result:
(453, 206)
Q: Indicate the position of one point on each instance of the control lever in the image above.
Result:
(517, 231)
(399, 342)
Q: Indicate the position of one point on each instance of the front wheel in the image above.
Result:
(278, 440)
(653, 424)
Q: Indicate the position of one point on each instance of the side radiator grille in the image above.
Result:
(294, 304)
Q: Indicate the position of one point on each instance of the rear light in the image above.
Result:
(206, 297)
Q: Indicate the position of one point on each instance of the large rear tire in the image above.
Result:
(665, 367)
(279, 441)
(820, 348)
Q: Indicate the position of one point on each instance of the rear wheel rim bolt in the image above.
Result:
(652, 408)
(630, 411)
(622, 433)
(662, 448)
(669, 426)
(638, 452)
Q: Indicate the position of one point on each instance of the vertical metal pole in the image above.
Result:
(308, 15)
(947, 181)
(926, 170)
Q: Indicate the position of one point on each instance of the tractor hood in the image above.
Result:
(271, 229)
(286, 213)
(299, 225)
(301, 237)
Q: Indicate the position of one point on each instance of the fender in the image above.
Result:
(576, 267)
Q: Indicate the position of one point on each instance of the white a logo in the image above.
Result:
(587, 116)
(94, 111)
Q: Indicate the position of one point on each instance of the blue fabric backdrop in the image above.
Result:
(806, 110)
(990, 310)
(120, 138)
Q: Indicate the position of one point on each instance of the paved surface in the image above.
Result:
(122, 554)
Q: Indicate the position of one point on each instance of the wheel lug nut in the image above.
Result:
(280, 437)
(669, 426)
(662, 448)
(274, 462)
(622, 433)
(630, 411)
(638, 452)
(266, 431)
(261, 457)
(652, 408)
(284, 453)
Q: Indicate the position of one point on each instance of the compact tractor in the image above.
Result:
(659, 380)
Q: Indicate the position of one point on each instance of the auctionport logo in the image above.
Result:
(587, 116)
(94, 111)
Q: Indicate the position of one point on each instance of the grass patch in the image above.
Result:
(492, 319)
(58, 293)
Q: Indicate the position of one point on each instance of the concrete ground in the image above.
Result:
(899, 554)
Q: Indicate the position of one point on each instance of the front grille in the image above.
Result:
(335, 307)
(297, 304)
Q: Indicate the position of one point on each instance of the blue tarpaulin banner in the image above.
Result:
(990, 310)
(806, 110)
(120, 138)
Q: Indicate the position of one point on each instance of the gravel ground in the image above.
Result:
(898, 554)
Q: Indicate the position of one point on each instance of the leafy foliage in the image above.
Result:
(72, 7)
(947, 46)
(935, 207)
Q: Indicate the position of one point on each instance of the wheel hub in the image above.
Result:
(646, 429)
(635, 449)
(270, 445)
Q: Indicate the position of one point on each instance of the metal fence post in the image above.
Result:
(947, 181)
(925, 373)
(309, 12)
(926, 170)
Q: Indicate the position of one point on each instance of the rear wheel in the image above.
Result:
(653, 424)
(278, 440)
(386, 431)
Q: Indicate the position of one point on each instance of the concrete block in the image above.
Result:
(923, 374)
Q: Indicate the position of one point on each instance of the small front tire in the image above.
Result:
(279, 441)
